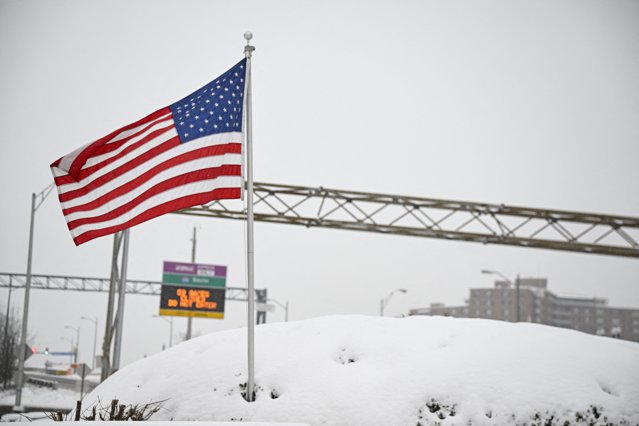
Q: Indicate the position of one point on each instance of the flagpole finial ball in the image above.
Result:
(248, 35)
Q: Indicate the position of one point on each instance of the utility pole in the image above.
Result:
(189, 321)
(117, 348)
(108, 329)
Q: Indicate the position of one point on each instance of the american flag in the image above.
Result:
(183, 155)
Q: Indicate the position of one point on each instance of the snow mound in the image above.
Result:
(356, 370)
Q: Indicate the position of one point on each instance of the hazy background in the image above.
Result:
(531, 103)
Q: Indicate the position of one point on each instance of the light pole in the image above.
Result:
(283, 306)
(384, 302)
(170, 321)
(95, 337)
(35, 204)
(517, 292)
(77, 341)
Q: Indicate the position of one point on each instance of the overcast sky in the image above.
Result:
(529, 103)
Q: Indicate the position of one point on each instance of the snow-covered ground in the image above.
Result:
(355, 370)
(42, 397)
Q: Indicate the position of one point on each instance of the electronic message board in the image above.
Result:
(193, 290)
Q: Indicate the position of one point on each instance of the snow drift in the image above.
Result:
(355, 370)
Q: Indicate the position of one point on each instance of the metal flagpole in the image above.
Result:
(120, 315)
(248, 50)
(27, 290)
(189, 321)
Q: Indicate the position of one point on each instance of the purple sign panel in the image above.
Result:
(199, 269)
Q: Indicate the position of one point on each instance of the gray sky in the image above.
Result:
(530, 103)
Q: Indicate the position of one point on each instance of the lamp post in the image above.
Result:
(283, 306)
(95, 337)
(384, 301)
(36, 202)
(77, 341)
(170, 321)
(517, 292)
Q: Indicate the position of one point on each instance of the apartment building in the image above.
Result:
(537, 304)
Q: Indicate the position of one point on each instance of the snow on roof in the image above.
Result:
(356, 370)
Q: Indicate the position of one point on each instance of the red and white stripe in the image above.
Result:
(142, 171)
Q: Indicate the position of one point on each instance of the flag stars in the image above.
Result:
(214, 108)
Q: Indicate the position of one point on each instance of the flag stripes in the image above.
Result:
(183, 155)
(167, 207)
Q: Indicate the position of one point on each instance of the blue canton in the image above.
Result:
(215, 108)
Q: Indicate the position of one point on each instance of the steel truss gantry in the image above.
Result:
(149, 288)
(435, 218)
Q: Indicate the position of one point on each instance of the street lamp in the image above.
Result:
(77, 341)
(283, 306)
(36, 202)
(170, 328)
(95, 336)
(384, 302)
(517, 292)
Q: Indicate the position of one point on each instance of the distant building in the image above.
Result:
(537, 304)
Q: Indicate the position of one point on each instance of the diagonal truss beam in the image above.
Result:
(60, 282)
(435, 218)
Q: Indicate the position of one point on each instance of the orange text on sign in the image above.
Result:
(192, 298)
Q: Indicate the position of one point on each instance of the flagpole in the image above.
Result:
(250, 386)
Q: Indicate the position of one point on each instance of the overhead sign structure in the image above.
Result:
(193, 290)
